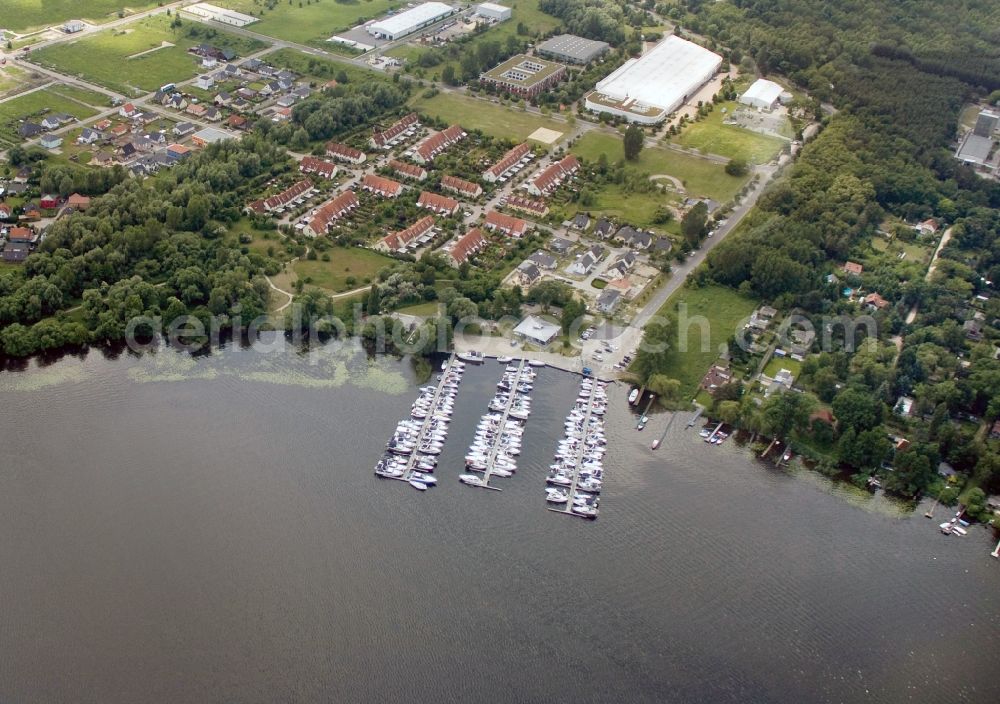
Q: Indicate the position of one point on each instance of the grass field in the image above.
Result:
(109, 58)
(309, 23)
(90, 97)
(36, 105)
(21, 15)
(295, 60)
(722, 308)
(491, 118)
(344, 262)
(700, 176)
(430, 308)
(711, 136)
(10, 77)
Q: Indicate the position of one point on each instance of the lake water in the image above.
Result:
(210, 530)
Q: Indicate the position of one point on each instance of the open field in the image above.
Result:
(309, 24)
(711, 136)
(104, 58)
(82, 95)
(491, 118)
(722, 308)
(700, 176)
(636, 209)
(11, 77)
(430, 308)
(36, 105)
(22, 15)
(345, 262)
(314, 66)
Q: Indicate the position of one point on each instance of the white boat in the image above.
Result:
(503, 359)
(556, 497)
(471, 356)
(470, 479)
(536, 363)
(419, 486)
(585, 511)
(427, 479)
(634, 396)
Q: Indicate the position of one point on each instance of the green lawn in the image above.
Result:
(722, 308)
(700, 177)
(637, 209)
(429, 308)
(313, 66)
(314, 23)
(89, 97)
(711, 136)
(35, 106)
(776, 364)
(344, 262)
(491, 118)
(10, 77)
(21, 15)
(109, 58)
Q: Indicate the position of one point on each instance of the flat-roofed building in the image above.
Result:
(572, 49)
(408, 22)
(493, 11)
(524, 75)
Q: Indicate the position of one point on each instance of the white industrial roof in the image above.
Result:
(414, 17)
(664, 75)
(493, 6)
(763, 89)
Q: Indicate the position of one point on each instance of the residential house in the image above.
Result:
(532, 206)
(177, 102)
(719, 375)
(30, 212)
(88, 136)
(973, 330)
(782, 381)
(212, 114)
(5, 211)
(223, 99)
(622, 265)
(636, 239)
(623, 285)
(49, 201)
(381, 186)
(286, 101)
(102, 125)
(510, 226)
(320, 167)
(761, 318)
(15, 252)
(293, 195)
(516, 158)
(237, 122)
(927, 227)
(802, 342)
(527, 273)
(466, 246)
(23, 235)
(51, 141)
(436, 143)
(78, 202)
(853, 268)
(182, 129)
(405, 170)
(608, 301)
(661, 245)
(875, 302)
(995, 430)
(603, 229)
(27, 130)
(196, 109)
(419, 232)
(553, 176)
(178, 151)
(443, 205)
(560, 245)
(396, 133)
(581, 222)
(128, 111)
(585, 263)
(461, 186)
(51, 122)
(330, 212)
(342, 152)
(904, 406)
(543, 260)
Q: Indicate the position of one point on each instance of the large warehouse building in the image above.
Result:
(572, 49)
(408, 22)
(647, 89)
(763, 94)
(492, 11)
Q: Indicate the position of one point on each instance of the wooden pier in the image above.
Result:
(696, 416)
(663, 436)
(412, 457)
(495, 450)
(579, 459)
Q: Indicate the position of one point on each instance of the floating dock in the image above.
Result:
(696, 416)
(579, 460)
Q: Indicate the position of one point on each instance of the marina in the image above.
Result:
(411, 454)
(497, 441)
(577, 475)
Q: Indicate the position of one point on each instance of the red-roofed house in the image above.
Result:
(294, 194)
(528, 205)
(928, 227)
(503, 167)
(553, 176)
(409, 238)
(49, 201)
(437, 203)
(469, 244)
(381, 186)
(405, 170)
(874, 300)
(461, 186)
(5, 211)
(128, 110)
(853, 268)
(433, 145)
(342, 152)
(78, 202)
(330, 212)
(22, 235)
(510, 226)
(396, 133)
(312, 165)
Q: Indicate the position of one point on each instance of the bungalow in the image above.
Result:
(128, 111)
(342, 152)
(420, 231)
(31, 212)
(534, 207)
(312, 165)
(330, 212)
(51, 141)
(608, 301)
(761, 318)
(398, 131)
(543, 260)
(443, 205)
(15, 252)
(510, 226)
(467, 245)
(718, 375)
(461, 186)
(196, 109)
(380, 186)
(560, 245)
(247, 93)
(436, 143)
(287, 101)
(27, 130)
(603, 229)
(237, 122)
(22, 235)
(182, 129)
(527, 273)
(78, 202)
(553, 176)
(586, 262)
(516, 158)
(852, 268)
(49, 201)
(581, 221)
(636, 239)
(88, 136)
(661, 245)
(408, 170)
(875, 302)
(927, 227)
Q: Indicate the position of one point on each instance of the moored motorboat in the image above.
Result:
(419, 486)
(634, 396)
